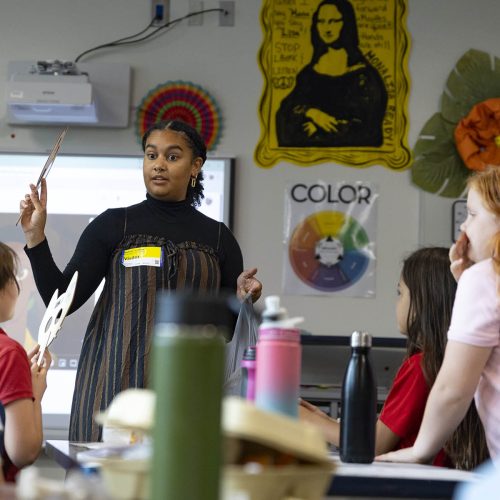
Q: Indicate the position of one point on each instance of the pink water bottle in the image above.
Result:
(277, 381)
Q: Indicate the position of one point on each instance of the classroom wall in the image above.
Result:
(224, 61)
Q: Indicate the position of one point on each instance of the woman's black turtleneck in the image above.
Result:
(175, 221)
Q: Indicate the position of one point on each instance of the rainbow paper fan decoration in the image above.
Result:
(184, 101)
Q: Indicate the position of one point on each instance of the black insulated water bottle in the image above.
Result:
(358, 413)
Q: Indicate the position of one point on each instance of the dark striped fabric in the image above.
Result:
(116, 347)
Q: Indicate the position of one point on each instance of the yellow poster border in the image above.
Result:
(397, 157)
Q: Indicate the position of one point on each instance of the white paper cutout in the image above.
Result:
(54, 316)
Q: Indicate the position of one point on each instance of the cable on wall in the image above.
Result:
(129, 40)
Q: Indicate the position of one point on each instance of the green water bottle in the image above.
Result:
(187, 375)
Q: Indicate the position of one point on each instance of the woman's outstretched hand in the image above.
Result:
(34, 214)
(459, 261)
(247, 283)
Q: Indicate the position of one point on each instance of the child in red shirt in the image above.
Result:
(426, 291)
(22, 382)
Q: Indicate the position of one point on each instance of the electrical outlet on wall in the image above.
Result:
(160, 12)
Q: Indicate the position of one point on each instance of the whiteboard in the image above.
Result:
(79, 188)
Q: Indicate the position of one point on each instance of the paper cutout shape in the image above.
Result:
(54, 316)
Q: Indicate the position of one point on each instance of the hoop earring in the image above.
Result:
(193, 182)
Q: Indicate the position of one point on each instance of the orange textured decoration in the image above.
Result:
(477, 136)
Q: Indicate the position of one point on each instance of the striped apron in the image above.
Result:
(116, 349)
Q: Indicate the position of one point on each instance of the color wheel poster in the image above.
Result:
(330, 230)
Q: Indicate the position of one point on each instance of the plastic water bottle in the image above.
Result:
(188, 370)
(248, 367)
(358, 413)
(277, 381)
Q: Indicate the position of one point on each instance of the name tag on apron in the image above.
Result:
(143, 256)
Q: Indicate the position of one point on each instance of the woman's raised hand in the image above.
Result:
(34, 214)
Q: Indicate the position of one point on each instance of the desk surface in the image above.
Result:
(379, 479)
(392, 480)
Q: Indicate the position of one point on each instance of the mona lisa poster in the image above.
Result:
(336, 83)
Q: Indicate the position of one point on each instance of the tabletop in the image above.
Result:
(376, 480)
(394, 480)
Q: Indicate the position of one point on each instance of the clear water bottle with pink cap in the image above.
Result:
(277, 381)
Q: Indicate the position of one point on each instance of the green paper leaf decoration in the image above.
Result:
(475, 78)
(437, 166)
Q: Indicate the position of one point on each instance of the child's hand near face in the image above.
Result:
(39, 373)
(458, 256)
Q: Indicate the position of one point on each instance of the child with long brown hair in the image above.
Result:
(426, 291)
(22, 382)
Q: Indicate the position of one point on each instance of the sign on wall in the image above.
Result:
(335, 83)
(330, 230)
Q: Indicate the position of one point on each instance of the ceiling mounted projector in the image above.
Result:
(56, 92)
